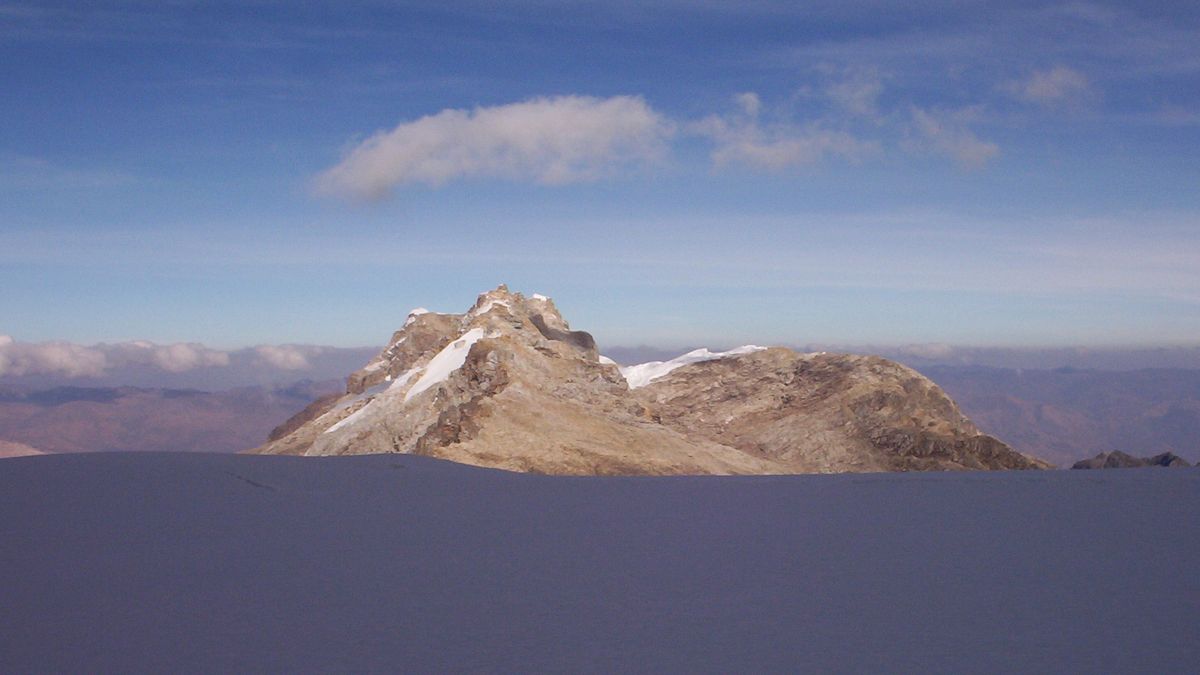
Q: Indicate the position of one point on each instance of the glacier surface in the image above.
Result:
(150, 562)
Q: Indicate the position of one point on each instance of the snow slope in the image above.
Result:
(643, 374)
(445, 362)
(219, 563)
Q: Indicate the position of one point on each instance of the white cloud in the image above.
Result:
(946, 133)
(548, 140)
(285, 357)
(180, 357)
(60, 358)
(741, 139)
(72, 360)
(1058, 86)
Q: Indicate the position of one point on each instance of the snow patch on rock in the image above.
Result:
(489, 305)
(446, 362)
(389, 386)
(643, 374)
(412, 316)
(350, 419)
(403, 379)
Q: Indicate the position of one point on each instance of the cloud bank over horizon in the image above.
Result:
(70, 360)
(148, 364)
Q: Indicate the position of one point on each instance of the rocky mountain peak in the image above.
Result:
(533, 321)
(509, 384)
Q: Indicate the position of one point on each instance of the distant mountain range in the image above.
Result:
(1067, 414)
(89, 419)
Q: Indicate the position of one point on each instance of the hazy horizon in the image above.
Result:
(26, 365)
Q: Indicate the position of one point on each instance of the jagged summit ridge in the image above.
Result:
(509, 384)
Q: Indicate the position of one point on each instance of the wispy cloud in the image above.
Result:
(1127, 38)
(32, 173)
(856, 91)
(946, 133)
(554, 140)
(1055, 87)
(742, 139)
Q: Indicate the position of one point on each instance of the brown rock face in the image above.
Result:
(424, 332)
(824, 413)
(510, 385)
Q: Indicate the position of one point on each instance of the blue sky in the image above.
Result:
(680, 173)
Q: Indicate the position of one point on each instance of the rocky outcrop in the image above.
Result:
(510, 385)
(825, 412)
(1120, 460)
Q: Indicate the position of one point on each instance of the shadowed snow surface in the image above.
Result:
(216, 563)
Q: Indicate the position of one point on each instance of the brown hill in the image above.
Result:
(826, 412)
